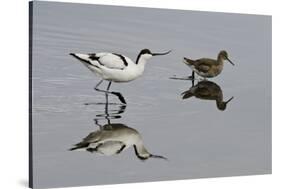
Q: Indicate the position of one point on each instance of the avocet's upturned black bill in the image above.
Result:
(115, 67)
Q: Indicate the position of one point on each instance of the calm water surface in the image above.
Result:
(198, 139)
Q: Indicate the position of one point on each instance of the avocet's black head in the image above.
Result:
(145, 51)
(147, 54)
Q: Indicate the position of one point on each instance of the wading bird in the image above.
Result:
(115, 67)
(206, 67)
(207, 90)
(112, 139)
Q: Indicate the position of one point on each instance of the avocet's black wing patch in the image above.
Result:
(108, 60)
(122, 58)
(121, 149)
(111, 60)
(94, 57)
(87, 62)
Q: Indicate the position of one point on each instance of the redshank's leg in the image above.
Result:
(192, 77)
(192, 82)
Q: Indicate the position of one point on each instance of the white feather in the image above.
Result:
(112, 67)
(112, 61)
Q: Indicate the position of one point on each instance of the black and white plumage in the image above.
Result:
(115, 67)
(114, 138)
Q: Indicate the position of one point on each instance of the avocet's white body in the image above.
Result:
(113, 139)
(114, 67)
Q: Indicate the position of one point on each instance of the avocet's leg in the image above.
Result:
(108, 86)
(100, 90)
(106, 106)
(96, 87)
(119, 95)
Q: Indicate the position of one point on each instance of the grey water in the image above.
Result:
(198, 139)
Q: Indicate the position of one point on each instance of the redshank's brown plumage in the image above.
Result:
(207, 90)
(206, 67)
